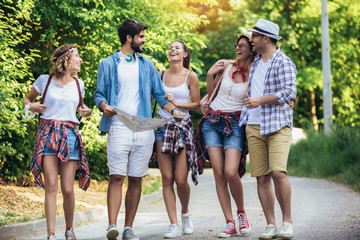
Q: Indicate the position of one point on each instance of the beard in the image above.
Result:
(136, 47)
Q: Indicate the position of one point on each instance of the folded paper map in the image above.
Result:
(139, 124)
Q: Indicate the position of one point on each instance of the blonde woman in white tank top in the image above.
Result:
(180, 85)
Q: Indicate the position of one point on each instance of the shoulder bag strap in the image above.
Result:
(218, 83)
(81, 102)
(45, 91)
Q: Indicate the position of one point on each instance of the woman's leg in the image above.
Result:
(50, 165)
(181, 175)
(232, 161)
(167, 175)
(67, 176)
(216, 156)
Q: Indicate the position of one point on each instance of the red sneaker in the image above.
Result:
(230, 230)
(244, 227)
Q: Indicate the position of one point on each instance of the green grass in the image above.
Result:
(335, 157)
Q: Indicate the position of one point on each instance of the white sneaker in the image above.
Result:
(270, 232)
(286, 230)
(173, 231)
(187, 225)
(112, 232)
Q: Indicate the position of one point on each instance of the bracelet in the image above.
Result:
(27, 107)
(172, 110)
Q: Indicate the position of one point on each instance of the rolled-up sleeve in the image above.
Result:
(287, 77)
(157, 90)
(100, 92)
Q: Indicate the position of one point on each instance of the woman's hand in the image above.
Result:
(218, 67)
(84, 111)
(171, 98)
(37, 107)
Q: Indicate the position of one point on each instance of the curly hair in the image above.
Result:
(60, 60)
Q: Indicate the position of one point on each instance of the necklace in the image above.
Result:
(129, 58)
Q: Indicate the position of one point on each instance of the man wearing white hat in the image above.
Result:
(269, 120)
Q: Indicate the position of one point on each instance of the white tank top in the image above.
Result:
(181, 94)
(231, 95)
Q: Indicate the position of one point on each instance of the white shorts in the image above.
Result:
(129, 151)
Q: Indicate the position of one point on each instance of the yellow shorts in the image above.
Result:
(268, 152)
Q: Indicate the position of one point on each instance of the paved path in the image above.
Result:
(321, 210)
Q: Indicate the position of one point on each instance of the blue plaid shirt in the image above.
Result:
(280, 80)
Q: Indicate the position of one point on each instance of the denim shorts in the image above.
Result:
(159, 134)
(73, 144)
(213, 135)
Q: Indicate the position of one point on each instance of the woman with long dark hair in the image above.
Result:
(175, 150)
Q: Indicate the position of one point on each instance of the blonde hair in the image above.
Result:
(60, 60)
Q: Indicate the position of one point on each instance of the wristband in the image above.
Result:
(172, 110)
(27, 107)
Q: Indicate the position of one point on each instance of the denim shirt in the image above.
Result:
(107, 86)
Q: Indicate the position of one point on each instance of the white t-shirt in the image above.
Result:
(128, 87)
(231, 95)
(61, 101)
(257, 90)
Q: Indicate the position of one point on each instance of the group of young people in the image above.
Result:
(250, 111)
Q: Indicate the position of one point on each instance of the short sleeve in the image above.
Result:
(40, 83)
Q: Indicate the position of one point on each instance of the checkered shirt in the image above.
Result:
(215, 117)
(280, 80)
(173, 143)
(53, 130)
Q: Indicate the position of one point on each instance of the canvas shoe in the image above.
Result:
(187, 225)
(70, 235)
(244, 227)
(230, 230)
(51, 236)
(128, 234)
(270, 232)
(173, 231)
(286, 230)
(112, 232)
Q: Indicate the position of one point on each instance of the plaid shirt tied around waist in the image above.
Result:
(216, 117)
(173, 143)
(54, 130)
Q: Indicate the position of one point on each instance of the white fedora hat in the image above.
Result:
(267, 28)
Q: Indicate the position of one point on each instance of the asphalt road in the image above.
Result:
(320, 209)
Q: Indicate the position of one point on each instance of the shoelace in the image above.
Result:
(129, 233)
(285, 227)
(70, 235)
(171, 228)
(229, 226)
(242, 220)
(51, 236)
(186, 220)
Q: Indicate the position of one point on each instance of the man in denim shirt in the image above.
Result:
(269, 119)
(127, 80)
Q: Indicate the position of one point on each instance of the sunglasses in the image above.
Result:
(256, 35)
(242, 45)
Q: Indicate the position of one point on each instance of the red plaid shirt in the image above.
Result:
(53, 129)
(173, 143)
(215, 117)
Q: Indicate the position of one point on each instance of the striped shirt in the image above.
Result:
(280, 80)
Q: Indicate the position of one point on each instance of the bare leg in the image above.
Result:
(283, 194)
(181, 175)
(50, 166)
(132, 200)
(114, 197)
(216, 156)
(167, 175)
(67, 173)
(232, 161)
(266, 196)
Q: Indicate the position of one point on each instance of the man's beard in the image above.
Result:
(136, 47)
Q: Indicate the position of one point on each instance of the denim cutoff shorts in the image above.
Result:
(73, 144)
(213, 135)
(159, 134)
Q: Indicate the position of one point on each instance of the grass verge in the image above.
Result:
(334, 157)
